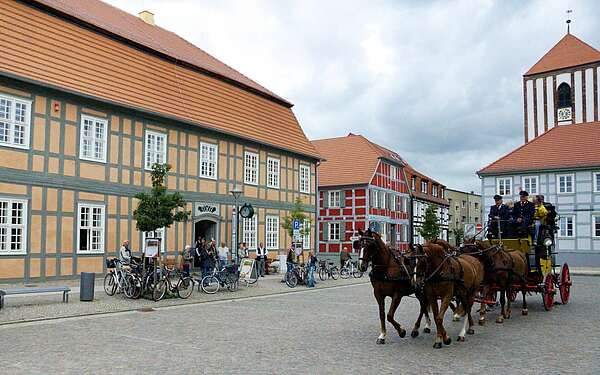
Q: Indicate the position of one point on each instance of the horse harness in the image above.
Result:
(383, 275)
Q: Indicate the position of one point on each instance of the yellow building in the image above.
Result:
(90, 98)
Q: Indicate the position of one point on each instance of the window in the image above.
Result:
(159, 233)
(564, 183)
(304, 179)
(423, 187)
(334, 198)
(375, 196)
(393, 172)
(251, 168)
(393, 206)
(596, 225)
(597, 182)
(156, 148)
(504, 186)
(566, 226)
(413, 183)
(13, 226)
(93, 139)
(442, 193)
(249, 227)
(434, 190)
(334, 231)
(564, 95)
(306, 236)
(530, 184)
(272, 228)
(476, 205)
(273, 173)
(91, 228)
(383, 199)
(208, 160)
(15, 119)
(464, 204)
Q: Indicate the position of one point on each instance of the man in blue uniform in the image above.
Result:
(523, 214)
(498, 218)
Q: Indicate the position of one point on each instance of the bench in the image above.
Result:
(57, 289)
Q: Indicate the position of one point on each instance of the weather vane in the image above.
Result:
(569, 11)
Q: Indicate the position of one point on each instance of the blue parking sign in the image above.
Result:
(296, 224)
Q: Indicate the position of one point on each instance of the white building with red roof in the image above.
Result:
(561, 155)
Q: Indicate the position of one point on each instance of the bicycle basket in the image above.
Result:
(111, 263)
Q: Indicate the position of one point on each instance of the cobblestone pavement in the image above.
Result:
(322, 331)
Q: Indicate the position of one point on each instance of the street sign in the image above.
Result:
(296, 224)
(470, 230)
(478, 227)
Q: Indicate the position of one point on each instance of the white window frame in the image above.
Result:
(375, 197)
(595, 221)
(250, 231)
(273, 172)
(7, 224)
(12, 122)
(208, 165)
(434, 190)
(506, 191)
(528, 188)
(156, 155)
(272, 232)
(558, 185)
(334, 203)
(159, 233)
(91, 206)
(596, 181)
(95, 121)
(424, 187)
(564, 233)
(413, 183)
(393, 203)
(251, 163)
(304, 176)
(306, 235)
(393, 173)
(331, 232)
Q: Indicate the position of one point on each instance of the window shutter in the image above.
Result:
(325, 231)
(342, 198)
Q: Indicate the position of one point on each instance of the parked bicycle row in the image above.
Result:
(300, 273)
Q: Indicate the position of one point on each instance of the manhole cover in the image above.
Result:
(146, 309)
(30, 285)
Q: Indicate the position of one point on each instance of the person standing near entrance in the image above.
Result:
(197, 247)
(261, 258)
(243, 251)
(125, 253)
(223, 253)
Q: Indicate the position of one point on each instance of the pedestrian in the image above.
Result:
(204, 257)
(344, 256)
(213, 257)
(261, 259)
(223, 253)
(312, 266)
(197, 247)
(243, 251)
(186, 260)
(125, 253)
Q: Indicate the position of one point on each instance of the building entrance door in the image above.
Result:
(206, 229)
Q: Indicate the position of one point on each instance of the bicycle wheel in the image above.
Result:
(159, 290)
(232, 284)
(110, 284)
(136, 286)
(345, 273)
(210, 284)
(335, 273)
(185, 287)
(291, 279)
(357, 274)
(323, 275)
(128, 285)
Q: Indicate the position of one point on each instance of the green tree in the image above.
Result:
(296, 213)
(459, 234)
(431, 226)
(158, 209)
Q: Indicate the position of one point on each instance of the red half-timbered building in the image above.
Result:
(361, 185)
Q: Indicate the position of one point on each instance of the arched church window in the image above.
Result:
(564, 95)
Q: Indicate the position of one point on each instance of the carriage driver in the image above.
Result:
(498, 218)
(523, 214)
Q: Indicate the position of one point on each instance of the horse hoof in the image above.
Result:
(380, 341)
(481, 322)
(402, 333)
(426, 330)
(460, 338)
(470, 331)
(437, 345)
(499, 320)
(525, 312)
(414, 333)
(448, 341)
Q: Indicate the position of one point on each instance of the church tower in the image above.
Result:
(562, 88)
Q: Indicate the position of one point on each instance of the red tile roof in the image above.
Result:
(350, 160)
(410, 173)
(125, 25)
(570, 51)
(562, 147)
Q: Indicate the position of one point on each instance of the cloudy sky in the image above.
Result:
(439, 82)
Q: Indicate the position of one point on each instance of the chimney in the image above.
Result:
(147, 17)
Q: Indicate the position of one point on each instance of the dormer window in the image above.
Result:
(564, 95)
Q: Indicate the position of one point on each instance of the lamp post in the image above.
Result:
(236, 192)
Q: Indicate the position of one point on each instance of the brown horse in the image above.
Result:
(503, 267)
(444, 276)
(391, 276)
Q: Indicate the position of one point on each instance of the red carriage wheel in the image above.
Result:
(565, 284)
(548, 292)
(512, 295)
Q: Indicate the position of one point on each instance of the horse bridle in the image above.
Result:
(371, 240)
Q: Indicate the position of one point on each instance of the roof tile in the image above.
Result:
(568, 52)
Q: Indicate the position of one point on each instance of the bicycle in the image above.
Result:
(174, 281)
(120, 279)
(350, 268)
(298, 274)
(327, 270)
(227, 277)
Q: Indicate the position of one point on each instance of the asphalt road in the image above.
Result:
(327, 331)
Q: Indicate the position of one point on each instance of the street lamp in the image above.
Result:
(236, 192)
